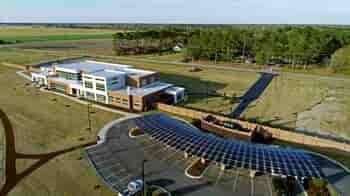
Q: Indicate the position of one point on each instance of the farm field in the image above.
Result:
(31, 34)
(46, 123)
(22, 57)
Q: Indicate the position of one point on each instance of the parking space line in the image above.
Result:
(269, 185)
(251, 186)
(235, 181)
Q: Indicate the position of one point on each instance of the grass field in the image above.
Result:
(315, 105)
(35, 34)
(46, 123)
(22, 57)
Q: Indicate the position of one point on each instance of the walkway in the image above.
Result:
(253, 93)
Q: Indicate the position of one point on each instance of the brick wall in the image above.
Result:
(277, 133)
(225, 132)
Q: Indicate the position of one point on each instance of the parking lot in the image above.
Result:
(119, 160)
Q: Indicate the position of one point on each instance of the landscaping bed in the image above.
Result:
(197, 169)
(135, 132)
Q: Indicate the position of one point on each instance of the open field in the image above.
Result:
(21, 57)
(46, 123)
(311, 104)
(91, 46)
(289, 102)
(31, 34)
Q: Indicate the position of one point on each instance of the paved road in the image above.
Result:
(253, 93)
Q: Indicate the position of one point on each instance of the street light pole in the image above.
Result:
(143, 177)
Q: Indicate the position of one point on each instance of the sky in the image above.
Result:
(178, 11)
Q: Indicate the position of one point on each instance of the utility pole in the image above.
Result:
(89, 117)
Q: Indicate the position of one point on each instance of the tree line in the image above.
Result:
(147, 42)
(287, 45)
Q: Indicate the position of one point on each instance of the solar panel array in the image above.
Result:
(231, 153)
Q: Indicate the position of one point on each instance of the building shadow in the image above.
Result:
(12, 178)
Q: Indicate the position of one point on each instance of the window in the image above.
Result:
(88, 84)
(100, 87)
(102, 80)
(144, 82)
(101, 98)
(125, 102)
(68, 76)
(88, 77)
(58, 87)
(118, 100)
(137, 104)
(114, 81)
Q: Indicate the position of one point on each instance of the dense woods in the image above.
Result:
(288, 45)
(298, 46)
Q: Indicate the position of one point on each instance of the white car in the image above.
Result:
(133, 188)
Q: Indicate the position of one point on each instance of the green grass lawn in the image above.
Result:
(40, 38)
(46, 123)
(316, 105)
(22, 57)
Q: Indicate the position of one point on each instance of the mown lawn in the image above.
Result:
(46, 123)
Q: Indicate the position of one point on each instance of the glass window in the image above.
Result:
(88, 77)
(144, 82)
(114, 81)
(88, 84)
(101, 98)
(100, 87)
(68, 76)
(102, 80)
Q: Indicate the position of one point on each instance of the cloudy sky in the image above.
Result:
(178, 11)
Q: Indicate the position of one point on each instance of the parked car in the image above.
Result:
(133, 188)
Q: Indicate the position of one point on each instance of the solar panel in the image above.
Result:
(232, 153)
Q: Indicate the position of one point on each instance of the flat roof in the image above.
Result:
(93, 68)
(106, 73)
(146, 90)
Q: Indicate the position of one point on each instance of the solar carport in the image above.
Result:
(231, 153)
